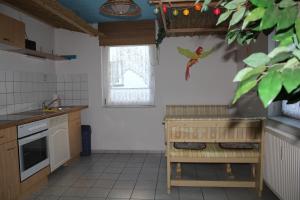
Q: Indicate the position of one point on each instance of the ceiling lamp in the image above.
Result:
(120, 8)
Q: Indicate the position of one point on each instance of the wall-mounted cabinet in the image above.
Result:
(12, 38)
(12, 33)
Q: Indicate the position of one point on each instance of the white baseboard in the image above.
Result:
(126, 151)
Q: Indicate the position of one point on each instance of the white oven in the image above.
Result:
(33, 148)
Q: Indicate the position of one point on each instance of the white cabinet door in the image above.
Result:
(59, 147)
(282, 167)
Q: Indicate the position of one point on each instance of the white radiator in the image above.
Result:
(282, 167)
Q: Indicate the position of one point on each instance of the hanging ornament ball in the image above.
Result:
(156, 10)
(217, 11)
(186, 12)
(175, 12)
(165, 9)
(198, 6)
(205, 9)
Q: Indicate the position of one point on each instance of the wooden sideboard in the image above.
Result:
(213, 125)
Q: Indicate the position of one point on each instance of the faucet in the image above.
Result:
(47, 106)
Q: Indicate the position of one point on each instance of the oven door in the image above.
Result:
(33, 154)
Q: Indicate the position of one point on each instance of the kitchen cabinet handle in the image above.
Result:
(6, 39)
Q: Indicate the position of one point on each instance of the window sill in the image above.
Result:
(286, 128)
(128, 106)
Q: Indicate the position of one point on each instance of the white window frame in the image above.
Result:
(105, 82)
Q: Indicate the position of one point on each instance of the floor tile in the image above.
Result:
(30, 197)
(57, 191)
(128, 177)
(108, 184)
(65, 182)
(214, 193)
(113, 170)
(109, 176)
(240, 193)
(190, 193)
(70, 198)
(143, 194)
(139, 177)
(97, 192)
(120, 194)
(47, 197)
(163, 195)
(84, 183)
(120, 184)
(131, 170)
(75, 192)
(144, 184)
(90, 175)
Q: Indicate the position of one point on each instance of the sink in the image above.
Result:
(55, 110)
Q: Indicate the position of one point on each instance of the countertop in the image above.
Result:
(16, 119)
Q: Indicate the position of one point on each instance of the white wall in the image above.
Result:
(250, 102)
(141, 128)
(42, 33)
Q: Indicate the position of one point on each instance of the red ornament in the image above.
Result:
(217, 11)
(165, 9)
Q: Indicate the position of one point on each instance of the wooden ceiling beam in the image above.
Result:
(53, 13)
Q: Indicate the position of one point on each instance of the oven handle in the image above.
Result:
(33, 138)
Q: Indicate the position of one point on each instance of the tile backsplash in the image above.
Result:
(73, 89)
(22, 91)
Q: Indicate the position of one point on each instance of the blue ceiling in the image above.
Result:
(89, 10)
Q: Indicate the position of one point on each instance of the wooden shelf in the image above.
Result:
(39, 54)
(53, 13)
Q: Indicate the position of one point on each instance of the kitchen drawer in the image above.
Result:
(8, 134)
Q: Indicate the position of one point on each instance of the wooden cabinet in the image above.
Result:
(282, 166)
(9, 166)
(12, 32)
(74, 134)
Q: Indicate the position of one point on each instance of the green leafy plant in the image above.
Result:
(276, 76)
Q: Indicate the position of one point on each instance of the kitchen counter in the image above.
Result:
(16, 119)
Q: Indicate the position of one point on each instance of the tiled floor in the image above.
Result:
(136, 177)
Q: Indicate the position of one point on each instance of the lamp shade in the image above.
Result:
(120, 8)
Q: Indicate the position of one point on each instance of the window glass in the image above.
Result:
(291, 110)
(129, 75)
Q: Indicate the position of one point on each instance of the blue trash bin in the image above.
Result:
(86, 132)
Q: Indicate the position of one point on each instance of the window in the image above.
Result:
(291, 110)
(128, 75)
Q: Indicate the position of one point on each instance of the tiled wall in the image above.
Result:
(73, 89)
(22, 91)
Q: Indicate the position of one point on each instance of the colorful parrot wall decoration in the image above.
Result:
(194, 58)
